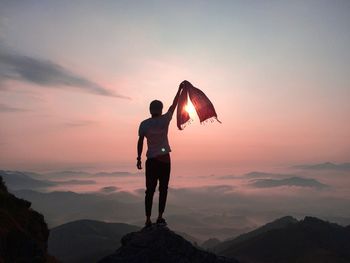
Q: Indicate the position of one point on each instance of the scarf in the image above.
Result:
(203, 106)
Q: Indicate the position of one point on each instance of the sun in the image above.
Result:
(190, 109)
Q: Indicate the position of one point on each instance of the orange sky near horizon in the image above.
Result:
(277, 75)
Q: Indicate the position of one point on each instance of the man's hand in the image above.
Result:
(181, 86)
(183, 83)
(138, 164)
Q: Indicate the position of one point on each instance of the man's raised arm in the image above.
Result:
(176, 99)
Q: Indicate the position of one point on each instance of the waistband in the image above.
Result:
(162, 158)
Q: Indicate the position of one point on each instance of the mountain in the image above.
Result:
(210, 243)
(16, 180)
(161, 245)
(62, 207)
(325, 166)
(309, 240)
(23, 231)
(188, 237)
(19, 180)
(66, 174)
(86, 240)
(276, 224)
(89, 240)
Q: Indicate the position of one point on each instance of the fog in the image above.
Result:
(204, 206)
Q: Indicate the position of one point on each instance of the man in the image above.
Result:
(155, 129)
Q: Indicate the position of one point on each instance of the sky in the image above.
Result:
(77, 77)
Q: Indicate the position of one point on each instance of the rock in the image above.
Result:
(210, 243)
(23, 231)
(160, 244)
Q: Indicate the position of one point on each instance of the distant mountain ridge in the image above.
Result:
(62, 207)
(276, 224)
(19, 180)
(16, 180)
(325, 166)
(86, 240)
(305, 241)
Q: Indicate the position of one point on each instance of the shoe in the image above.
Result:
(161, 222)
(148, 224)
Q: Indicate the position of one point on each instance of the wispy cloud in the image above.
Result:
(267, 175)
(292, 181)
(79, 123)
(46, 74)
(256, 175)
(108, 189)
(10, 109)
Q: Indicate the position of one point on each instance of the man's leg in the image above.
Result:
(151, 184)
(163, 186)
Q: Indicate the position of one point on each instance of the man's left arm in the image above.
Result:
(139, 152)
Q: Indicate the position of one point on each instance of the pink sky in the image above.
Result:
(279, 86)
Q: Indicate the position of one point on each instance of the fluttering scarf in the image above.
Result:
(203, 106)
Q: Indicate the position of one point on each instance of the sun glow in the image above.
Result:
(190, 109)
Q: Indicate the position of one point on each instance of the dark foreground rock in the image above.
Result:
(23, 231)
(310, 240)
(158, 245)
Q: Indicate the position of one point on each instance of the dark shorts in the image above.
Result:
(157, 169)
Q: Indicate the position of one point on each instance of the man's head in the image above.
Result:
(156, 108)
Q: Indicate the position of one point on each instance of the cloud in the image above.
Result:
(115, 174)
(4, 23)
(108, 189)
(47, 74)
(79, 123)
(266, 175)
(212, 189)
(255, 175)
(292, 181)
(75, 182)
(9, 109)
(230, 176)
(325, 166)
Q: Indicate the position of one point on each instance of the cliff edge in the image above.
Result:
(160, 244)
(23, 231)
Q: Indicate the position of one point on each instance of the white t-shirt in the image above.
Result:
(156, 132)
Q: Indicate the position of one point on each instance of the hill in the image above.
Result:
(160, 244)
(309, 240)
(325, 166)
(276, 224)
(19, 180)
(86, 240)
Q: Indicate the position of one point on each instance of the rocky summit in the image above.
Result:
(23, 231)
(158, 245)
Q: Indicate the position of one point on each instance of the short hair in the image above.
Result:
(156, 107)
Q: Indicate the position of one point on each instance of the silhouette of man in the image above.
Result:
(155, 129)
